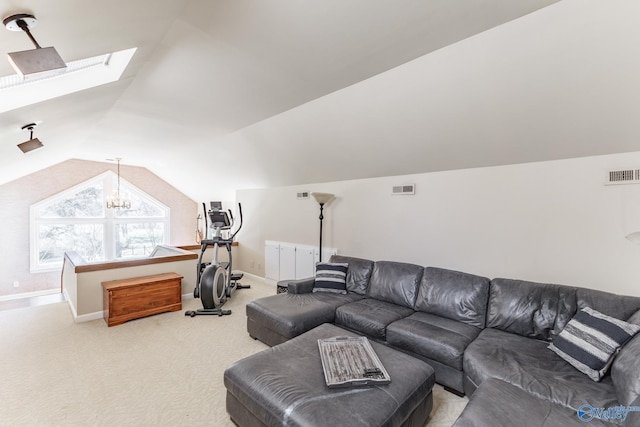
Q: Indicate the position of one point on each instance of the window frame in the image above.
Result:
(109, 220)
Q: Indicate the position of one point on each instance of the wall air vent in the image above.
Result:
(303, 195)
(626, 176)
(404, 189)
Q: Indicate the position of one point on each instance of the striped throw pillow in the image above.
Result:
(331, 277)
(591, 340)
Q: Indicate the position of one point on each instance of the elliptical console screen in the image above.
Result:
(219, 218)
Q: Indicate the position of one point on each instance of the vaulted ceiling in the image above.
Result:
(228, 94)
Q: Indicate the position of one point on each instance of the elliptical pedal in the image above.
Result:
(235, 276)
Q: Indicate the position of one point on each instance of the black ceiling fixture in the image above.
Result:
(32, 143)
(34, 61)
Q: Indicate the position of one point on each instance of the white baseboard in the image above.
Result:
(29, 294)
(71, 307)
(259, 278)
(88, 317)
(83, 317)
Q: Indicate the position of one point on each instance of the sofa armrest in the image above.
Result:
(300, 286)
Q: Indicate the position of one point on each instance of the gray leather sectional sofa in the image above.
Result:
(486, 338)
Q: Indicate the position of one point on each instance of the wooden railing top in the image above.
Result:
(81, 266)
(197, 247)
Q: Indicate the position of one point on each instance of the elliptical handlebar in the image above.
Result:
(240, 212)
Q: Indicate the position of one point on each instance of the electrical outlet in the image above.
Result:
(16, 283)
(259, 266)
(252, 264)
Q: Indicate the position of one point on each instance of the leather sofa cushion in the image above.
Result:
(528, 363)
(433, 337)
(497, 403)
(625, 372)
(395, 282)
(534, 310)
(454, 295)
(358, 273)
(370, 316)
(293, 314)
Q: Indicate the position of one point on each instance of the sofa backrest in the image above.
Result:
(454, 295)
(358, 273)
(618, 306)
(534, 310)
(395, 282)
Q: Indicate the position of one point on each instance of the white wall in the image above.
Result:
(548, 221)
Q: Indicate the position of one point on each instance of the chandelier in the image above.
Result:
(117, 201)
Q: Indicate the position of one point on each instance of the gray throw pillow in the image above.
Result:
(331, 277)
(591, 340)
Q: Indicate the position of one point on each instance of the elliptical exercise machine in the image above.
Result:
(215, 280)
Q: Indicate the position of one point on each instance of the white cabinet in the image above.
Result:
(272, 260)
(287, 261)
(284, 261)
(305, 262)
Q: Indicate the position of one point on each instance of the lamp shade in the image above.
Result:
(323, 198)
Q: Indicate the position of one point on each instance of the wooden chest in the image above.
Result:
(128, 299)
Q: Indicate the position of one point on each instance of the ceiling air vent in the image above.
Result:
(404, 189)
(303, 195)
(626, 176)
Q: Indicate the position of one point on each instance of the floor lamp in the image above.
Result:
(322, 199)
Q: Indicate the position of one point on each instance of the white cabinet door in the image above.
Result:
(272, 260)
(287, 261)
(305, 262)
(326, 254)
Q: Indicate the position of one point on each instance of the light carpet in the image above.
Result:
(163, 370)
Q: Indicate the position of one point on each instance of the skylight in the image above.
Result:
(17, 91)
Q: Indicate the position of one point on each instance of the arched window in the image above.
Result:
(78, 220)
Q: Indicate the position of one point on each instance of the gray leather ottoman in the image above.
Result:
(285, 386)
(278, 318)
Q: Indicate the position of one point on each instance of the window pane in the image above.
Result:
(141, 207)
(138, 239)
(86, 203)
(56, 239)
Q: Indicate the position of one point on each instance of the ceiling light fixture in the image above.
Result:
(32, 143)
(34, 61)
(117, 201)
